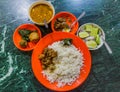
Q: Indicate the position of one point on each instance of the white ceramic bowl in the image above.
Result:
(82, 27)
(38, 3)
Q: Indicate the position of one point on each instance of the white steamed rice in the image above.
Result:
(68, 70)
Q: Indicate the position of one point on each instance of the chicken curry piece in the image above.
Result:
(47, 59)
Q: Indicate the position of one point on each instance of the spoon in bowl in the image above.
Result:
(106, 45)
(45, 22)
(80, 16)
(70, 27)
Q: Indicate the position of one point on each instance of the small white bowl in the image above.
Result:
(81, 28)
(38, 3)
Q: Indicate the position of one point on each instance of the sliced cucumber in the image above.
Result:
(83, 34)
(97, 39)
(88, 27)
(94, 32)
(91, 44)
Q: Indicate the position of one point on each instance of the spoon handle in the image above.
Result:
(107, 46)
(81, 15)
(46, 25)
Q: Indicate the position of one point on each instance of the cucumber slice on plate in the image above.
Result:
(94, 32)
(91, 44)
(88, 27)
(97, 39)
(83, 34)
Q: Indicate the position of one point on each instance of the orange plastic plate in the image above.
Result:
(17, 37)
(49, 39)
(70, 19)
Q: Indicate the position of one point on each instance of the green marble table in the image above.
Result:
(15, 66)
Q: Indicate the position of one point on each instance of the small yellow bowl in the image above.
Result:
(40, 11)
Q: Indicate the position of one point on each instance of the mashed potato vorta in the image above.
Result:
(68, 64)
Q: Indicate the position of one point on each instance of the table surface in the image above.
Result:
(15, 66)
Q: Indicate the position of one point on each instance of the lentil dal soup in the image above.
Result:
(40, 12)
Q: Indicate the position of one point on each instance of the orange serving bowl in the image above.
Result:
(49, 39)
(17, 37)
(70, 18)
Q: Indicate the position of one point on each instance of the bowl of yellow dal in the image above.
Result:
(41, 11)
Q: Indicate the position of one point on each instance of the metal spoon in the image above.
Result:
(45, 22)
(106, 45)
(70, 27)
(80, 16)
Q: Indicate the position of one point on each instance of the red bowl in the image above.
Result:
(66, 15)
(17, 37)
(49, 39)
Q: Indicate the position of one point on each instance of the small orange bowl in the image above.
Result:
(17, 37)
(70, 18)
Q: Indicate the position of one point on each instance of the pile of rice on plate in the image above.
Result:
(68, 70)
